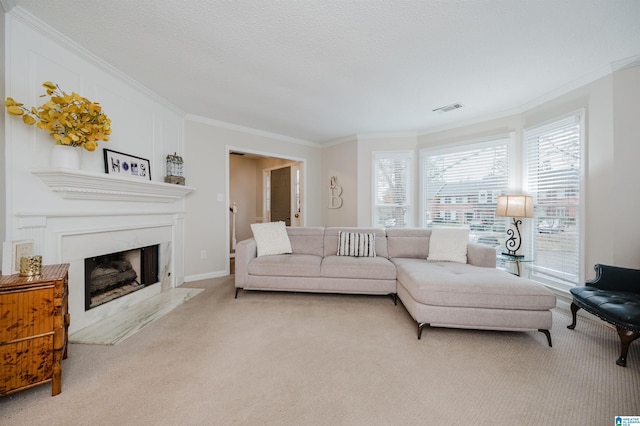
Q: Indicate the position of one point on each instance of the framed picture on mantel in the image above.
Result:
(120, 164)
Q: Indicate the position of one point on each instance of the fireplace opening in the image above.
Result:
(114, 275)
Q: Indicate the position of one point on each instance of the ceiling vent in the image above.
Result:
(448, 108)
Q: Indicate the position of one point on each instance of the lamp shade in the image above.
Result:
(515, 206)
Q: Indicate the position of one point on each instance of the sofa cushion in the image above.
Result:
(408, 242)
(306, 239)
(358, 267)
(449, 244)
(463, 285)
(356, 244)
(286, 265)
(331, 239)
(414, 243)
(271, 238)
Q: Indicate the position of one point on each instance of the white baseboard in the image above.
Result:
(206, 276)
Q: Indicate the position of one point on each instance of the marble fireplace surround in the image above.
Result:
(75, 247)
(97, 214)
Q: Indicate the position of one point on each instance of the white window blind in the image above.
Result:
(392, 189)
(461, 185)
(553, 165)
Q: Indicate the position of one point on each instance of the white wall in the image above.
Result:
(206, 147)
(624, 211)
(3, 117)
(341, 161)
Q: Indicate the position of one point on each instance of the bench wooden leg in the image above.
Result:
(574, 310)
(626, 337)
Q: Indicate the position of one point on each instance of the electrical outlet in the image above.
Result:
(203, 254)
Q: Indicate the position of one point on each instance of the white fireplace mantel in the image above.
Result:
(79, 184)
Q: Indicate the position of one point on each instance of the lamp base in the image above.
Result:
(515, 256)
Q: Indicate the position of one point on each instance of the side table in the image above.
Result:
(35, 322)
(512, 259)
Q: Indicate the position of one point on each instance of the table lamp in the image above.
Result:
(515, 206)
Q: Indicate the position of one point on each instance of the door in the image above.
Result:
(281, 195)
(296, 191)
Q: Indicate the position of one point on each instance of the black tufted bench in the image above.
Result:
(614, 296)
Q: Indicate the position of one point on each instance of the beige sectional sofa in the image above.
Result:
(437, 293)
(314, 267)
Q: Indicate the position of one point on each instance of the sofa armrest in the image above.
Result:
(481, 255)
(615, 278)
(245, 251)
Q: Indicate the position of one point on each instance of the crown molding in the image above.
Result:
(7, 5)
(351, 138)
(51, 33)
(579, 82)
(370, 136)
(631, 62)
(373, 136)
(250, 130)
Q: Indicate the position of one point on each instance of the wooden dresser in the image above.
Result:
(34, 320)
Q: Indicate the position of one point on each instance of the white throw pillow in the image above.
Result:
(448, 244)
(271, 238)
(356, 244)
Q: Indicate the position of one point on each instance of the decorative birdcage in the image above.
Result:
(175, 169)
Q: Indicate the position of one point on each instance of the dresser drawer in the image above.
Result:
(26, 363)
(26, 313)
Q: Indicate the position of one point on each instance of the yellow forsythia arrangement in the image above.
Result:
(69, 118)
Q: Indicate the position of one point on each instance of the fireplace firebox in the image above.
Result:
(113, 275)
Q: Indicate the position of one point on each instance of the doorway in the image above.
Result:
(262, 187)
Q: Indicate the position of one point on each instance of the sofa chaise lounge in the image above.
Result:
(471, 294)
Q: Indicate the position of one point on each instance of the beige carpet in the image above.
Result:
(300, 359)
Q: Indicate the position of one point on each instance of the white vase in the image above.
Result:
(65, 157)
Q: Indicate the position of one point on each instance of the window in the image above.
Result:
(474, 175)
(392, 189)
(554, 169)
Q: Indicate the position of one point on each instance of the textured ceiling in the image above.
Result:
(328, 69)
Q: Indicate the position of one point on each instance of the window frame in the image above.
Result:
(537, 273)
(409, 156)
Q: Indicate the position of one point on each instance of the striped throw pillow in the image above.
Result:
(356, 244)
